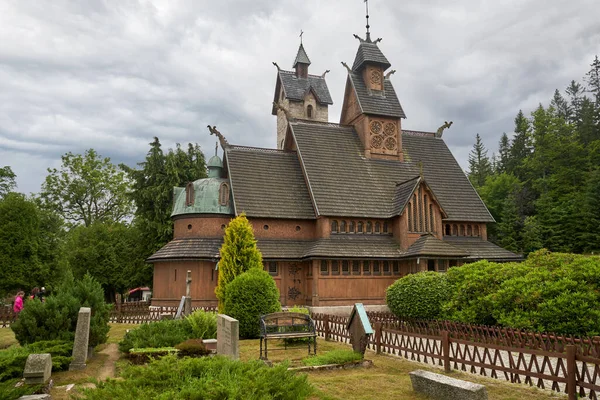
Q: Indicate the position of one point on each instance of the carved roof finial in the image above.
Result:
(285, 110)
(324, 73)
(275, 64)
(213, 131)
(440, 130)
(358, 37)
(347, 67)
(392, 72)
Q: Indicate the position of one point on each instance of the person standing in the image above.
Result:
(18, 306)
(41, 294)
(34, 293)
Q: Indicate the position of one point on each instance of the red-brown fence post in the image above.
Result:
(571, 372)
(118, 301)
(378, 328)
(326, 326)
(446, 350)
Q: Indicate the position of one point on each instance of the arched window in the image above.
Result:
(476, 233)
(454, 230)
(415, 218)
(343, 227)
(334, 226)
(425, 214)
(469, 231)
(410, 217)
(385, 227)
(369, 227)
(377, 227)
(351, 227)
(431, 219)
(309, 111)
(359, 227)
(189, 194)
(462, 230)
(448, 230)
(224, 194)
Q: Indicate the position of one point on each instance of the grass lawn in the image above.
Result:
(387, 379)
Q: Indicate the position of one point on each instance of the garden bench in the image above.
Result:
(287, 325)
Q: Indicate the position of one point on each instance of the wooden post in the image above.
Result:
(118, 304)
(326, 326)
(446, 350)
(188, 283)
(571, 375)
(378, 328)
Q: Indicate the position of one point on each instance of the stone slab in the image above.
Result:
(211, 344)
(228, 336)
(180, 308)
(441, 387)
(187, 306)
(82, 339)
(35, 397)
(38, 368)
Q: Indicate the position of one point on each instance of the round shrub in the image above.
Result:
(250, 295)
(418, 295)
(192, 348)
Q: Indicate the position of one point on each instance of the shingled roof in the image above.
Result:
(268, 183)
(301, 57)
(479, 249)
(368, 52)
(384, 102)
(296, 88)
(355, 246)
(429, 245)
(188, 248)
(446, 179)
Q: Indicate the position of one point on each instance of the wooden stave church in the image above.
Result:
(339, 211)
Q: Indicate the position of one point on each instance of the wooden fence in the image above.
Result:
(140, 312)
(559, 363)
(7, 316)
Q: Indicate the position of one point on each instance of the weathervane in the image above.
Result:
(368, 38)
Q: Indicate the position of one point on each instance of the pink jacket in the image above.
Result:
(18, 304)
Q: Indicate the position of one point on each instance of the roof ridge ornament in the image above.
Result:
(347, 67)
(440, 130)
(325, 73)
(392, 72)
(213, 131)
(275, 64)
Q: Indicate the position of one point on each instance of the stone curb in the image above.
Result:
(330, 367)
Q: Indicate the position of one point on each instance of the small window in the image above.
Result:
(476, 230)
(369, 227)
(366, 268)
(462, 230)
(223, 226)
(442, 265)
(345, 267)
(189, 194)
(175, 275)
(351, 227)
(396, 268)
(324, 267)
(355, 267)
(454, 230)
(334, 226)
(309, 111)
(386, 268)
(189, 227)
(224, 194)
(343, 227)
(335, 267)
(430, 265)
(273, 270)
(410, 218)
(469, 230)
(447, 229)
(385, 227)
(376, 268)
(377, 227)
(266, 227)
(298, 228)
(452, 263)
(359, 227)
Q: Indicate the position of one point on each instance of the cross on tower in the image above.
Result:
(301, 33)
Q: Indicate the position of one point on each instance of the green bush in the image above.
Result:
(166, 333)
(192, 348)
(56, 318)
(207, 378)
(203, 324)
(12, 360)
(145, 355)
(250, 295)
(8, 391)
(333, 357)
(418, 295)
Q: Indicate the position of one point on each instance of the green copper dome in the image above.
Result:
(208, 196)
(215, 167)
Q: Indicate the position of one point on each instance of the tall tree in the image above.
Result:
(152, 189)
(87, 189)
(7, 180)
(561, 106)
(503, 153)
(576, 94)
(479, 163)
(593, 80)
(520, 147)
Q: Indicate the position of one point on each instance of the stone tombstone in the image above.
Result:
(228, 336)
(360, 328)
(180, 308)
(82, 338)
(38, 368)
(442, 387)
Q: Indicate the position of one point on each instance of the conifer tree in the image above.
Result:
(561, 106)
(503, 153)
(479, 163)
(576, 96)
(593, 80)
(238, 254)
(520, 147)
(509, 228)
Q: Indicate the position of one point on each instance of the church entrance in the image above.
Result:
(293, 283)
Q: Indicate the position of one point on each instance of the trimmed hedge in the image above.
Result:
(250, 295)
(12, 360)
(418, 296)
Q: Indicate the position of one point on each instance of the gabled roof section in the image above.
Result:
(296, 88)
(429, 245)
(342, 181)
(446, 179)
(301, 57)
(368, 52)
(479, 249)
(405, 190)
(383, 103)
(268, 183)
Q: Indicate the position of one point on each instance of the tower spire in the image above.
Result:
(368, 37)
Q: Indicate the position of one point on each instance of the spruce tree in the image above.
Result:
(561, 106)
(503, 153)
(238, 254)
(520, 147)
(593, 80)
(576, 96)
(479, 163)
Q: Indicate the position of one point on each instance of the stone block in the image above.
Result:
(441, 387)
(35, 397)
(38, 368)
(228, 336)
(211, 344)
(82, 339)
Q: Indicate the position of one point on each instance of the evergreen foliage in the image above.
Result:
(238, 254)
(248, 296)
(12, 360)
(418, 296)
(479, 163)
(56, 318)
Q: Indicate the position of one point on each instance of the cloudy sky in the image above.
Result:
(110, 75)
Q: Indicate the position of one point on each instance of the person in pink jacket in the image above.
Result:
(18, 302)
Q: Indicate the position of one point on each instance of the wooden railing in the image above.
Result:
(141, 312)
(7, 316)
(560, 363)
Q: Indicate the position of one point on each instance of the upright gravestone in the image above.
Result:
(187, 305)
(38, 368)
(82, 338)
(228, 336)
(360, 328)
(180, 308)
